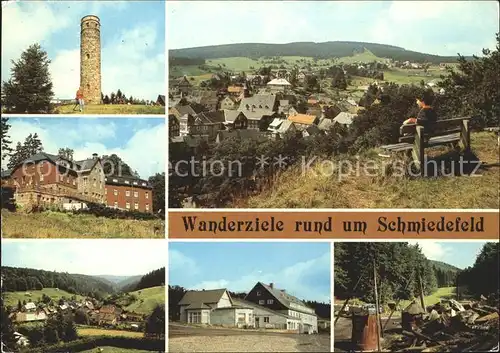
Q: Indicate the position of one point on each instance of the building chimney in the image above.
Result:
(271, 285)
(94, 155)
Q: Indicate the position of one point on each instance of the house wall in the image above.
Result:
(130, 194)
(305, 318)
(259, 295)
(43, 173)
(266, 319)
(92, 184)
(226, 317)
(224, 301)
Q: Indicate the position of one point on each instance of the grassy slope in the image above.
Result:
(11, 298)
(87, 331)
(112, 109)
(66, 225)
(445, 293)
(147, 300)
(293, 189)
(109, 349)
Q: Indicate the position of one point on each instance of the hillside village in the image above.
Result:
(270, 101)
(33, 313)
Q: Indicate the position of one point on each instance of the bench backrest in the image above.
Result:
(439, 128)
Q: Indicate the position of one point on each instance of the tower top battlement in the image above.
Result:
(90, 18)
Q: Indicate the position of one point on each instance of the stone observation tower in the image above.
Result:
(90, 59)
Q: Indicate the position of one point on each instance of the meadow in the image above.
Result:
(12, 298)
(67, 225)
(111, 109)
(87, 331)
(147, 300)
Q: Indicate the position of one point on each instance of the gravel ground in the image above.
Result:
(234, 343)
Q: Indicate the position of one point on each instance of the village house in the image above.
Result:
(39, 315)
(344, 118)
(180, 110)
(208, 100)
(235, 91)
(179, 86)
(129, 193)
(213, 307)
(160, 100)
(280, 301)
(205, 124)
(285, 108)
(259, 109)
(279, 127)
(302, 121)
(30, 306)
(229, 102)
(173, 126)
(279, 85)
(234, 120)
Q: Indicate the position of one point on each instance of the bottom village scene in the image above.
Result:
(110, 296)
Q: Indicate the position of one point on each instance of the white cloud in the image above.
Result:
(144, 151)
(290, 278)
(177, 261)
(433, 250)
(92, 256)
(130, 61)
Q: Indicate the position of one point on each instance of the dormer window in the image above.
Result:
(115, 180)
(135, 183)
(127, 182)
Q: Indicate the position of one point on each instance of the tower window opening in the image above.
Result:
(88, 56)
(88, 24)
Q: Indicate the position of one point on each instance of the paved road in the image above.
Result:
(305, 343)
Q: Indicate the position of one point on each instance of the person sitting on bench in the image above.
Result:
(427, 115)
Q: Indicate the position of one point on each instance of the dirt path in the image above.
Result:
(197, 339)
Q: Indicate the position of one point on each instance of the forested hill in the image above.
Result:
(152, 279)
(444, 266)
(24, 279)
(308, 49)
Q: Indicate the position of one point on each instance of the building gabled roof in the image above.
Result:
(344, 118)
(235, 89)
(127, 181)
(325, 124)
(211, 117)
(211, 296)
(279, 82)
(285, 126)
(286, 299)
(197, 306)
(184, 109)
(302, 119)
(231, 115)
(265, 102)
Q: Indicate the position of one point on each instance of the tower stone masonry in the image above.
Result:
(90, 59)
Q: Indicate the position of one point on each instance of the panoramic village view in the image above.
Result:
(416, 297)
(277, 298)
(99, 179)
(66, 303)
(92, 57)
(330, 119)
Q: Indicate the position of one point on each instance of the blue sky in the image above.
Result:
(460, 254)
(303, 269)
(86, 256)
(132, 42)
(140, 142)
(435, 27)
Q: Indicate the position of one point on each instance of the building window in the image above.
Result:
(262, 302)
(258, 294)
(105, 190)
(136, 194)
(74, 182)
(147, 195)
(127, 206)
(270, 301)
(115, 180)
(136, 205)
(127, 182)
(147, 207)
(195, 318)
(266, 319)
(127, 193)
(115, 192)
(116, 204)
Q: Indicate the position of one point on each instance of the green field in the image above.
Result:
(109, 349)
(111, 109)
(87, 331)
(444, 293)
(12, 298)
(147, 299)
(67, 225)
(318, 187)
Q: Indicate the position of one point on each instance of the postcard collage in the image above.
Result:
(250, 176)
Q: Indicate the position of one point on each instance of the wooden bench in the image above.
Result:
(416, 139)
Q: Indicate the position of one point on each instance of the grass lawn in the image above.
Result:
(109, 349)
(66, 225)
(185, 70)
(12, 298)
(445, 293)
(318, 187)
(112, 109)
(147, 299)
(85, 332)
